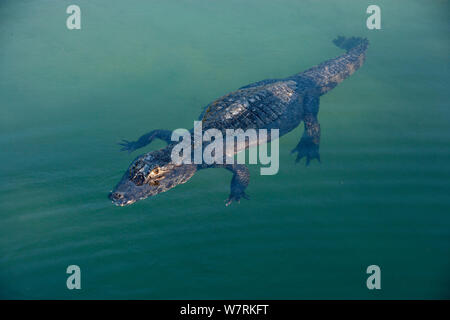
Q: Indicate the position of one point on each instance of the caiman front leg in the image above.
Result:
(239, 182)
(309, 143)
(146, 139)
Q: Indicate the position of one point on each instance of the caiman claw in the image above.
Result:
(307, 148)
(236, 197)
(129, 146)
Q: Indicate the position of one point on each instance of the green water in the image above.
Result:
(381, 195)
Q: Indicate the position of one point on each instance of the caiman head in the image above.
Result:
(148, 175)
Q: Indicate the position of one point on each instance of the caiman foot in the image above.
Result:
(129, 146)
(307, 148)
(236, 197)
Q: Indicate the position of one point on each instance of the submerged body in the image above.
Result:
(269, 104)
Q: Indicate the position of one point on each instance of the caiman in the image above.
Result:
(268, 104)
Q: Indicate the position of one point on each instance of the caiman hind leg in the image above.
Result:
(239, 182)
(309, 143)
(146, 139)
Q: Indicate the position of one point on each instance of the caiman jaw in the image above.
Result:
(118, 199)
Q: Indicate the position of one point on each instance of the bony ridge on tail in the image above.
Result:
(268, 104)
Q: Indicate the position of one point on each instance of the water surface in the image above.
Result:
(380, 196)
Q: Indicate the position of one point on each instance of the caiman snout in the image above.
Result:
(115, 196)
(119, 199)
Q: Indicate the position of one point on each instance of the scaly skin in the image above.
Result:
(269, 104)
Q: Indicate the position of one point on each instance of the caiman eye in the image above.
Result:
(155, 171)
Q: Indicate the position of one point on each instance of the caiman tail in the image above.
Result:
(329, 74)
